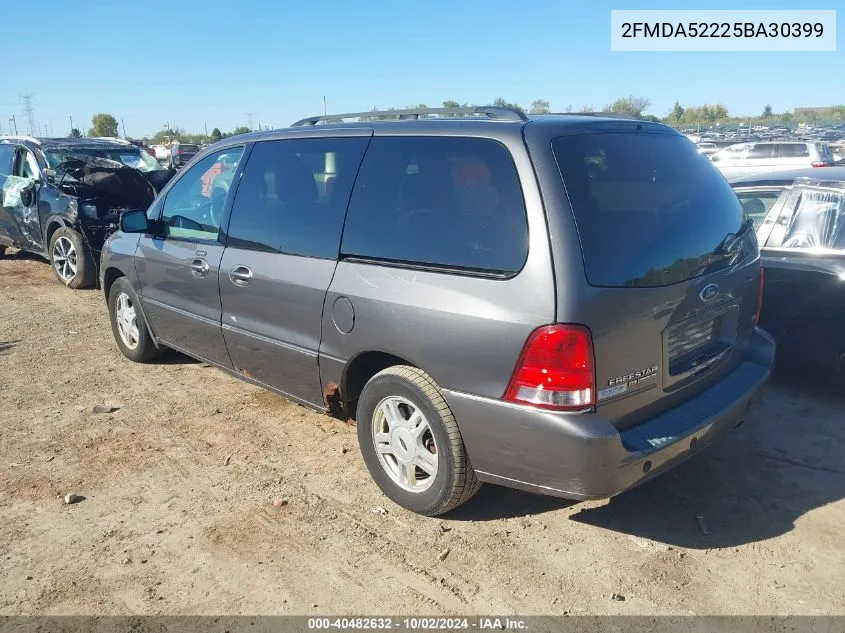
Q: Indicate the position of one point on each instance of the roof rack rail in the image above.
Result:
(609, 115)
(491, 112)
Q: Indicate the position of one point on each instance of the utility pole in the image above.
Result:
(123, 126)
(249, 120)
(30, 114)
(13, 123)
(71, 123)
(325, 108)
(205, 125)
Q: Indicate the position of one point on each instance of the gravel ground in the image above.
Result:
(179, 480)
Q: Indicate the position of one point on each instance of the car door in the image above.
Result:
(9, 230)
(19, 218)
(178, 264)
(282, 248)
(762, 157)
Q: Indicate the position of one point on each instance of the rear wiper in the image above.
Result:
(732, 240)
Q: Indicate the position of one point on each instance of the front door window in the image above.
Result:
(194, 204)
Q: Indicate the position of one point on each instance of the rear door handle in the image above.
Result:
(240, 275)
(199, 267)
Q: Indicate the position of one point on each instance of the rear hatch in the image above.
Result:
(671, 262)
(187, 151)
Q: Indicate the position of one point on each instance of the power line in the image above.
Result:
(30, 114)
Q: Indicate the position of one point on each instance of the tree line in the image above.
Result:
(680, 116)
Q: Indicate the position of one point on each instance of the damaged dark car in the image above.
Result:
(62, 198)
(800, 219)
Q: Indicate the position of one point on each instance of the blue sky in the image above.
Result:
(211, 63)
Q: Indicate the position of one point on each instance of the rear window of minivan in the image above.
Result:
(649, 208)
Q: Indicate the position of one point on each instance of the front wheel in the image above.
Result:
(72, 262)
(127, 324)
(411, 443)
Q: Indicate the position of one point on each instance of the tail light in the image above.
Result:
(555, 370)
(759, 298)
(820, 163)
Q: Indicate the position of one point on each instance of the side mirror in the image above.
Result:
(134, 222)
(28, 197)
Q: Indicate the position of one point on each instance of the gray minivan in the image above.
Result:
(565, 304)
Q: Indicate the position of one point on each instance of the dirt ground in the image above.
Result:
(179, 482)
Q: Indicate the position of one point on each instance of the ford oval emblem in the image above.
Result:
(709, 292)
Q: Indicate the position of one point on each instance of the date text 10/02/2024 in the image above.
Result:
(418, 623)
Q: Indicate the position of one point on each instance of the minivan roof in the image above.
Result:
(561, 124)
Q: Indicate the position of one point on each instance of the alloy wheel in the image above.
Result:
(64, 259)
(127, 320)
(404, 443)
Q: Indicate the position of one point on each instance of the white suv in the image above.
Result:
(745, 159)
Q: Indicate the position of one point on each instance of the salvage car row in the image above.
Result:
(402, 274)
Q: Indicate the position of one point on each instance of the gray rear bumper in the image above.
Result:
(583, 456)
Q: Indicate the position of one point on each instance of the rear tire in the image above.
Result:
(128, 325)
(392, 456)
(72, 263)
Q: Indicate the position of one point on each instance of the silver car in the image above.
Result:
(564, 304)
(746, 159)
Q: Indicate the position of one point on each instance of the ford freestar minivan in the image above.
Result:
(563, 304)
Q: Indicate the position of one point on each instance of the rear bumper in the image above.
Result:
(583, 456)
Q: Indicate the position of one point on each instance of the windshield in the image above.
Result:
(188, 148)
(650, 209)
(130, 156)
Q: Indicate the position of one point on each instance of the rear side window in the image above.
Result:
(293, 195)
(758, 203)
(650, 210)
(794, 150)
(448, 202)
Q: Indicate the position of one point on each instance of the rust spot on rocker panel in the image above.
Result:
(333, 401)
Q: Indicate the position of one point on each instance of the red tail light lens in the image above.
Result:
(759, 299)
(555, 370)
(820, 163)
